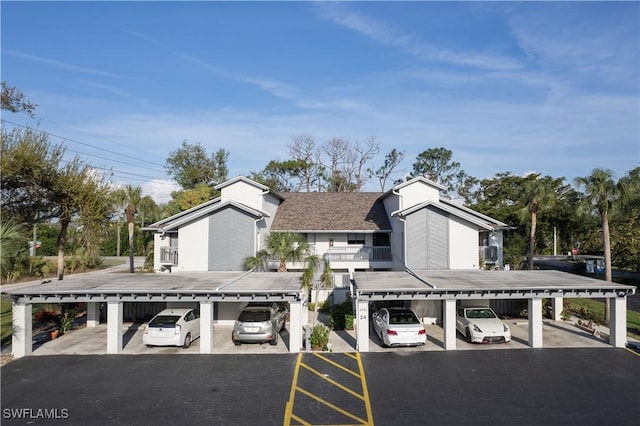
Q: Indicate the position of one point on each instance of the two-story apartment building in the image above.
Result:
(409, 227)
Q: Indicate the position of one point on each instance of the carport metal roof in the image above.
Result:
(167, 287)
(479, 284)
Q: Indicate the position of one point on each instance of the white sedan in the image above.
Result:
(481, 325)
(399, 327)
(172, 327)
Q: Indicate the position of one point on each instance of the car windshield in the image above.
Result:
(164, 321)
(403, 318)
(254, 316)
(480, 313)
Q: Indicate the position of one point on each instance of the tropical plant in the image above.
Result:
(12, 243)
(539, 196)
(601, 194)
(319, 339)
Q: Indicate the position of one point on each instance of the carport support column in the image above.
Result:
(295, 326)
(362, 325)
(618, 323)
(449, 315)
(206, 327)
(93, 314)
(114, 327)
(21, 340)
(557, 308)
(535, 323)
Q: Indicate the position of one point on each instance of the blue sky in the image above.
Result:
(547, 87)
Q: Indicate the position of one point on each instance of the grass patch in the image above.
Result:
(594, 310)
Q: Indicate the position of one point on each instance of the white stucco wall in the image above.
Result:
(245, 193)
(463, 245)
(416, 193)
(193, 240)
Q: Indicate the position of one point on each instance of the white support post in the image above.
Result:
(93, 314)
(114, 327)
(449, 324)
(206, 327)
(557, 308)
(22, 336)
(362, 325)
(618, 323)
(295, 326)
(535, 323)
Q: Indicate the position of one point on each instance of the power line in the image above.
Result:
(83, 143)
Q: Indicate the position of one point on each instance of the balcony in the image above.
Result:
(359, 257)
(168, 256)
(488, 254)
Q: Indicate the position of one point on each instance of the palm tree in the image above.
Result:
(286, 246)
(133, 196)
(600, 194)
(539, 196)
(12, 242)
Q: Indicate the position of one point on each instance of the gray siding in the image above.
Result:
(427, 240)
(437, 240)
(231, 239)
(417, 240)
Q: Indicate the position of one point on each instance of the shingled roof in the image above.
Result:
(331, 211)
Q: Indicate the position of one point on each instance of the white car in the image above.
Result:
(481, 325)
(173, 327)
(399, 327)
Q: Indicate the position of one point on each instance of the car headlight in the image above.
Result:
(505, 327)
(476, 328)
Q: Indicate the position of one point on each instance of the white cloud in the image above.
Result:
(159, 189)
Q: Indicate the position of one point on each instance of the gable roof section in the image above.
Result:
(479, 215)
(331, 211)
(200, 211)
(260, 186)
(453, 210)
(193, 210)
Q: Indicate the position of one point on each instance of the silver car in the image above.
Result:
(259, 323)
(172, 327)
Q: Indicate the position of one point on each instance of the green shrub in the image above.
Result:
(337, 321)
(319, 339)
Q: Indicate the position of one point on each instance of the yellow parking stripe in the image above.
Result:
(335, 364)
(289, 416)
(333, 382)
(365, 390)
(289, 409)
(633, 352)
(333, 406)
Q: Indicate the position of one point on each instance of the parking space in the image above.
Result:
(92, 341)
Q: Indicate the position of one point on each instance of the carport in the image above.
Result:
(451, 286)
(204, 288)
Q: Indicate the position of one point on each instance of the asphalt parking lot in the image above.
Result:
(564, 386)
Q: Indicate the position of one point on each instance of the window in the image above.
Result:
(381, 240)
(355, 239)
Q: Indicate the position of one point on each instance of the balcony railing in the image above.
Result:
(168, 255)
(489, 254)
(359, 254)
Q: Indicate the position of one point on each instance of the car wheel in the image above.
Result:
(469, 336)
(274, 340)
(187, 341)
